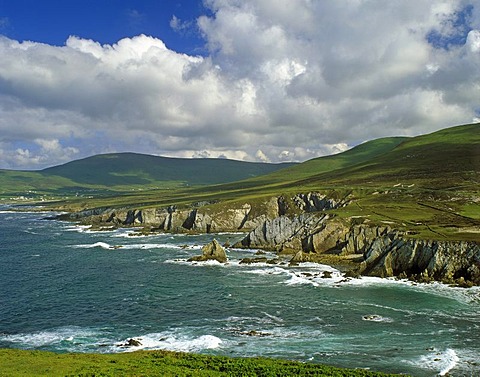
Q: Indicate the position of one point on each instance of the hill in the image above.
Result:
(362, 153)
(138, 169)
(446, 159)
(123, 172)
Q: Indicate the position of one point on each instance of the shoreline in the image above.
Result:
(369, 260)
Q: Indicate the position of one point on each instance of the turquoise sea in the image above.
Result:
(64, 288)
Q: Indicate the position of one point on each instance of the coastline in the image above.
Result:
(308, 228)
(306, 277)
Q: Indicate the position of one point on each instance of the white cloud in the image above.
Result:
(260, 156)
(179, 25)
(473, 40)
(284, 80)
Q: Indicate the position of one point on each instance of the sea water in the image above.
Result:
(65, 288)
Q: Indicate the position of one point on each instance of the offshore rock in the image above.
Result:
(211, 251)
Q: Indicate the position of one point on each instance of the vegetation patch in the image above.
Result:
(159, 363)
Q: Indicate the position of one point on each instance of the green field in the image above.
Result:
(158, 363)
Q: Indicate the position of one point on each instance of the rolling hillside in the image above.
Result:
(134, 169)
(362, 153)
(446, 159)
(124, 172)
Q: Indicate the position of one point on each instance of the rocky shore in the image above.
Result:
(303, 226)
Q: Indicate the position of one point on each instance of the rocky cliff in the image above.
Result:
(302, 226)
(207, 217)
(384, 252)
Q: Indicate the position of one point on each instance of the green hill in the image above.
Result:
(124, 172)
(362, 153)
(446, 159)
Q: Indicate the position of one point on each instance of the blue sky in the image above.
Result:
(105, 21)
(254, 80)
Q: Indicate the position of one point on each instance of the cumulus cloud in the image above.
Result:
(283, 80)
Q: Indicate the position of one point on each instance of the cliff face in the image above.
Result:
(391, 255)
(299, 225)
(207, 217)
(172, 219)
(385, 252)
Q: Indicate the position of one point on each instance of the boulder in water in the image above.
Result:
(211, 251)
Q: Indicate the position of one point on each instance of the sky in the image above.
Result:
(253, 80)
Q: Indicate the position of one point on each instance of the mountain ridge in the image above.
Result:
(126, 171)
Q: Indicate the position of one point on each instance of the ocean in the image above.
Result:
(64, 288)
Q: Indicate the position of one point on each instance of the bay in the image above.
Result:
(64, 288)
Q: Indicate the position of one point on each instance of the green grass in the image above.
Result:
(158, 363)
(357, 155)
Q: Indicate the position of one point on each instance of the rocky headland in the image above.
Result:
(306, 227)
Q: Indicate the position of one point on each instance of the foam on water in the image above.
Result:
(147, 246)
(376, 318)
(175, 342)
(77, 339)
(442, 362)
(266, 270)
(130, 233)
(77, 228)
(49, 337)
(102, 245)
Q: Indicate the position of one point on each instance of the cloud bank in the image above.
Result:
(282, 81)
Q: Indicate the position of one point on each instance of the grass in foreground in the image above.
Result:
(158, 363)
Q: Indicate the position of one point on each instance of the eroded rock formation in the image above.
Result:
(211, 251)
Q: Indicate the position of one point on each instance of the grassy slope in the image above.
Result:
(441, 160)
(158, 363)
(133, 169)
(126, 172)
(14, 181)
(367, 151)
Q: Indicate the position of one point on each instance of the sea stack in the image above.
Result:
(211, 251)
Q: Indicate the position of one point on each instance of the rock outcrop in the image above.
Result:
(299, 225)
(308, 232)
(211, 251)
(449, 262)
(386, 252)
(207, 217)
